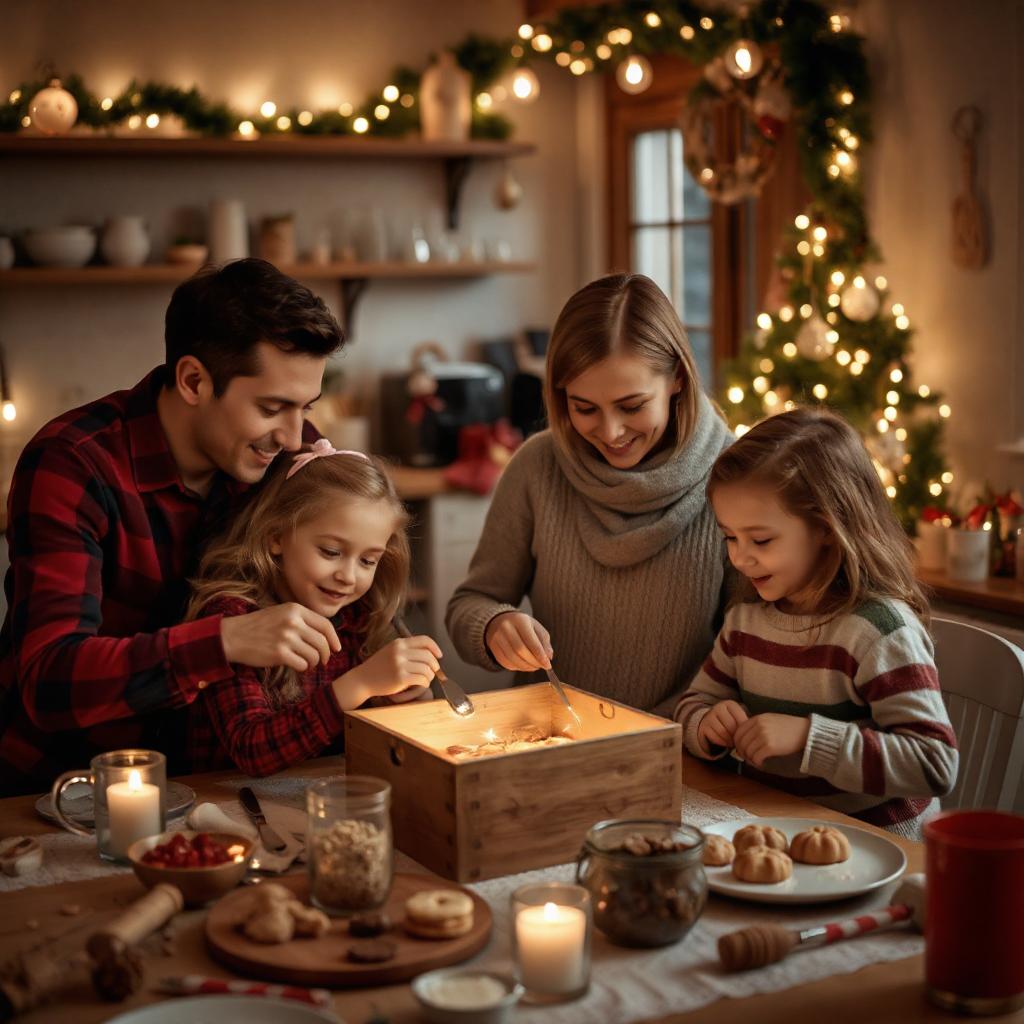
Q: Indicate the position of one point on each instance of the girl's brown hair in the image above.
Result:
(619, 313)
(819, 468)
(240, 564)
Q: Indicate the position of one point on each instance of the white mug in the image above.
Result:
(969, 555)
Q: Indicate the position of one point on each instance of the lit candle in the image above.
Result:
(551, 945)
(134, 812)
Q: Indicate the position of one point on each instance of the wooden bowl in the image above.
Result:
(197, 885)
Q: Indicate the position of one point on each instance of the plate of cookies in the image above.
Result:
(797, 860)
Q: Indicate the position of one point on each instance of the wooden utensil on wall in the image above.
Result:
(970, 242)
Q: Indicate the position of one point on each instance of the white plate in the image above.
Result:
(77, 803)
(225, 1009)
(874, 861)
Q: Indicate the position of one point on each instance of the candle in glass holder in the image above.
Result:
(134, 811)
(552, 951)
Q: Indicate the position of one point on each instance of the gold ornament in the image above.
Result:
(53, 110)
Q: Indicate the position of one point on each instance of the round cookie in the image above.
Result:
(371, 951)
(438, 914)
(718, 851)
(762, 865)
(820, 844)
(760, 835)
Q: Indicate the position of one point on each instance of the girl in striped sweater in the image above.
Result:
(821, 681)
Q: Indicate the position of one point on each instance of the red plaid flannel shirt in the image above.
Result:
(103, 536)
(234, 724)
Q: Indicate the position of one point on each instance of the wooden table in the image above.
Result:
(883, 992)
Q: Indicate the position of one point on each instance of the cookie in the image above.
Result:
(371, 951)
(369, 926)
(450, 929)
(718, 851)
(434, 906)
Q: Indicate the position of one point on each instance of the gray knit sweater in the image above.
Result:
(624, 568)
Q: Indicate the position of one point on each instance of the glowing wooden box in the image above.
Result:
(480, 818)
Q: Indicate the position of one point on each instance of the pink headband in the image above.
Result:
(320, 448)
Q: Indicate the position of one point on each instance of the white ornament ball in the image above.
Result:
(810, 339)
(859, 302)
(53, 110)
(772, 99)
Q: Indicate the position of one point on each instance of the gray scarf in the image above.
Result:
(627, 516)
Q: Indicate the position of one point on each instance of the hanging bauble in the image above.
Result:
(508, 192)
(634, 74)
(706, 116)
(525, 85)
(744, 59)
(859, 301)
(811, 340)
(53, 110)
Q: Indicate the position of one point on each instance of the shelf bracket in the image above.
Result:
(352, 289)
(455, 171)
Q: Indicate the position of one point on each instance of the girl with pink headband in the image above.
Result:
(326, 533)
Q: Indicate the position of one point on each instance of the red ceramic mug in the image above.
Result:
(974, 921)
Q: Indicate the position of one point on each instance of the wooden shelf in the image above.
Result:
(171, 273)
(997, 594)
(304, 146)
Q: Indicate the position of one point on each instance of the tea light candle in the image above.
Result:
(134, 811)
(550, 941)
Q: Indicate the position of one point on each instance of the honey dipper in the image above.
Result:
(763, 944)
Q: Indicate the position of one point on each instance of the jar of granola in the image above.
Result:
(348, 843)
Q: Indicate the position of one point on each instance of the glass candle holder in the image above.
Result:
(349, 843)
(551, 931)
(129, 794)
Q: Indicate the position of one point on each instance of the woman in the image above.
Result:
(602, 519)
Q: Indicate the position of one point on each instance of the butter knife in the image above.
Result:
(557, 684)
(270, 839)
(453, 693)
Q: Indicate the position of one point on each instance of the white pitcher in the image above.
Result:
(125, 242)
(446, 107)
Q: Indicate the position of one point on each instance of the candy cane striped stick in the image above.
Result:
(763, 944)
(197, 984)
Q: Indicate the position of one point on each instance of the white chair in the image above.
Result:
(982, 680)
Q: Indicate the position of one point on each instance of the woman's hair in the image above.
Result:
(240, 564)
(620, 313)
(819, 468)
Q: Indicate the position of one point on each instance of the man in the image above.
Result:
(109, 508)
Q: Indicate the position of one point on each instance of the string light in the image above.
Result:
(896, 375)
(134, 121)
(901, 434)
(760, 385)
(856, 368)
(862, 355)
(687, 32)
(902, 322)
(881, 283)
(484, 101)
(525, 85)
(743, 59)
(577, 46)
(890, 491)
(603, 50)
(820, 233)
(652, 19)
(525, 31)
(935, 490)
(634, 75)
(789, 405)
(843, 357)
(803, 247)
(892, 397)
(578, 67)
(542, 42)
(407, 100)
(924, 391)
(851, 142)
(897, 309)
(806, 310)
(786, 314)
(890, 413)
(153, 120)
(945, 412)
(803, 222)
(268, 108)
(563, 59)
(9, 411)
(706, 23)
(305, 118)
(382, 111)
(735, 395)
(789, 350)
(947, 477)
(517, 51)
(832, 336)
(766, 365)
(246, 129)
(16, 95)
(771, 399)
(846, 97)
(620, 36)
(284, 123)
(882, 426)
(820, 392)
(360, 125)
(764, 321)
(390, 93)
(832, 316)
(105, 104)
(741, 429)
(834, 299)
(837, 278)
(345, 110)
(818, 250)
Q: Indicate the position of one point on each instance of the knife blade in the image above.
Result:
(557, 684)
(270, 839)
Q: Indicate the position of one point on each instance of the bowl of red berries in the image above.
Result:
(203, 865)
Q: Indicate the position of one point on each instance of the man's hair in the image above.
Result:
(220, 314)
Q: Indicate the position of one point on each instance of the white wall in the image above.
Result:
(66, 345)
(927, 58)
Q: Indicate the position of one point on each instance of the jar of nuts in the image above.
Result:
(348, 843)
(646, 879)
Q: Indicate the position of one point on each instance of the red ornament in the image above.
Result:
(770, 127)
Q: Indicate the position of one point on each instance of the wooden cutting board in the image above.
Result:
(323, 961)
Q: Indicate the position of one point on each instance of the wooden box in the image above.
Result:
(473, 819)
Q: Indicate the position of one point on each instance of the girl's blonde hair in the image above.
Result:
(819, 468)
(240, 564)
(619, 313)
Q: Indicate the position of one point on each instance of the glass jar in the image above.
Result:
(646, 879)
(349, 844)
(551, 926)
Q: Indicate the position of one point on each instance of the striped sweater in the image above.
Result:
(880, 745)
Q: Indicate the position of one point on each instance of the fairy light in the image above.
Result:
(895, 375)
(845, 97)
(687, 32)
(789, 350)
(881, 283)
(345, 110)
(760, 385)
(820, 233)
(525, 31)
(706, 174)
(500, 94)
(987, 526)
(843, 357)
(837, 278)
(603, 50)
(803, 247)
(652, 19)
(134, 121)
(924, 391)
(832, 336)
(897, 309)
(764, 321)
(820, 392)
(246, 129)
(892, 397)
(803, 222)
(834, 299)
(382, 111)
(305, 118)
(786, 314)
(902, 322)
(766, 365)
(542, 42)
(525, 85)
(818, 250)
(882, 426)
(578, 67)
(735, 395)
(484, 101)
(152, 120)
(407, 100)
(832, 316)
(834, 171)
(390, 93)
(360, 125)
(806, 310)
(771, 399)
(789, 405)
(577, 46)
(935, 489)
(856, 368)
(944, 411)
(901, 434)
(268, 108)
(634, 75)
(105, 104)
(890, 413)
(845, 160)
(563, 59)
(16, 95)
(862, 355)
(517, 51)
(890, 491)
(706, 23)
(741, 429)
(284, 123)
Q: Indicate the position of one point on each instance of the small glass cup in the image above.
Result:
(551, 932)
(129, 795)
(349, 843)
